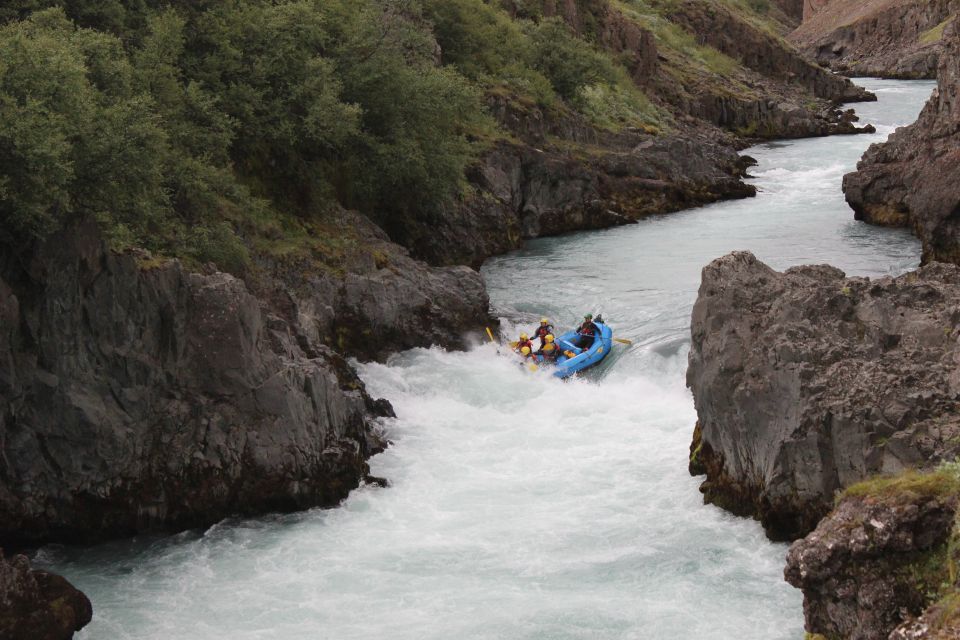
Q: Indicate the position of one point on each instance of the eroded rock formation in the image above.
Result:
(873, 564)
(760, 51)
(37, 605)
(806, 382)
(913, 179)
(527, 192)
(137, 395)
(887, 38)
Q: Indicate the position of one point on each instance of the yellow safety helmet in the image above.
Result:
(549, 337)
(524, 336)
(544, 321)
(525, 351)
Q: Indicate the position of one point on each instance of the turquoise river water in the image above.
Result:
(523, 507)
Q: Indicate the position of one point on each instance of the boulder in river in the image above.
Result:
(38, 605)
(806, 382)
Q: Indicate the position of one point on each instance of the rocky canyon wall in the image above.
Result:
(886, 38)
(913, 180)
(806, 382)
(138, 395)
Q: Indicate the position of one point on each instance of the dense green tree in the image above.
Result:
(192, 127)
(66, 146)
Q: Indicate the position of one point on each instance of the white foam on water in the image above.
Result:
(523, 507)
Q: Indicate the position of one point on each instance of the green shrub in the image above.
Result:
(196, 118)
(192, 127)
(567, 61)
(478, 39)
(67, 146)
(612, 107)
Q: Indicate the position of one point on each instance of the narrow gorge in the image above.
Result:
(249, 252)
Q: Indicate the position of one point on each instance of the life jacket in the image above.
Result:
(543, 331)
(550, 351)
(524, 343)
(588, 328)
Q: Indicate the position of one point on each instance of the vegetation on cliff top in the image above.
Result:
(910, 485)
(190, 127)
(208, 129)
(936, 33)
(935, 573)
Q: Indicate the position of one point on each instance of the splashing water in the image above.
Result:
(523, 507)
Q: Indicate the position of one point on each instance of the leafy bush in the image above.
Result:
(196, 127)
(611, 107)
(177, 127)
(567, 61)
(67, 145)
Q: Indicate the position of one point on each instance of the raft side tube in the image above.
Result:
(602, 345)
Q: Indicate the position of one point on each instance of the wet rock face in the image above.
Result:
(913, 179)
(867, 567)
(886, 38)
(135, 399)
(36, 605)
(806, 382)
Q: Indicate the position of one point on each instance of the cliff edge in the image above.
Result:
(139, 395)
(912, 180)
(806, 382)
(885, 38)
(883, 563)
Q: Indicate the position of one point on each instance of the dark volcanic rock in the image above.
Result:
(524, 192)
(381, 300)
(806, 382)
(886, 38)
(871, 564)
(142, 397)
(913, 179)
(36, 605)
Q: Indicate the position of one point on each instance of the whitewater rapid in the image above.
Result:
(522, 507)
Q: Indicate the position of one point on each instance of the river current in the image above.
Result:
(523, 507)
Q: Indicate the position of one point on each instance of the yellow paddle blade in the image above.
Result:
(490, 333)
(533, 367)
(623, 341)
(514, 344)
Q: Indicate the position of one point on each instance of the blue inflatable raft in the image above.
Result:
(602, 345)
